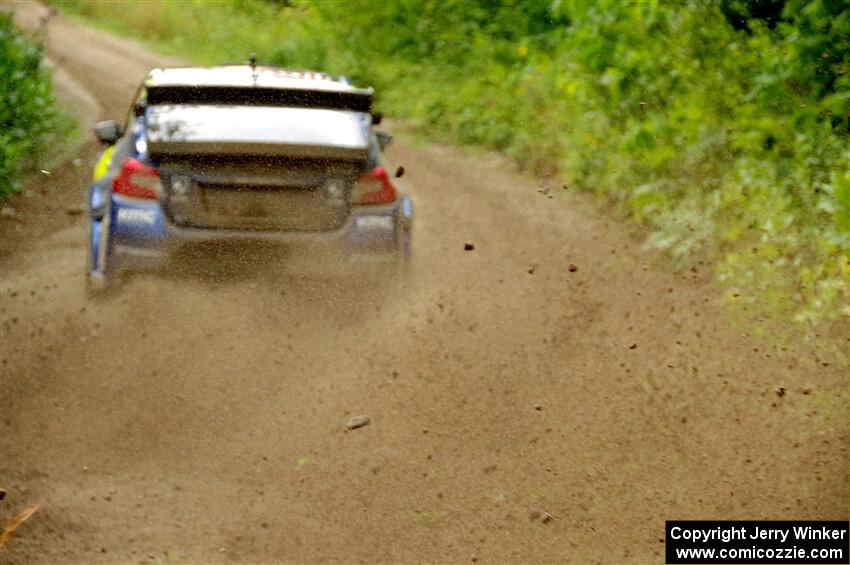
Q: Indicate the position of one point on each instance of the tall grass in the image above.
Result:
(210, 32)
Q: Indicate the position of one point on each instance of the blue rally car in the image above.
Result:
(245, 152)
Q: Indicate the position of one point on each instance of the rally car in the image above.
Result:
(242, 152)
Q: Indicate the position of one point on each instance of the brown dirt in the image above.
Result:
(200, 418)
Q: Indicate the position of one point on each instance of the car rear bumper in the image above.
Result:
(141, 235)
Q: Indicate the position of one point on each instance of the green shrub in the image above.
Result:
(29, 124)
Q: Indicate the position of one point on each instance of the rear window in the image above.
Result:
(241, 96)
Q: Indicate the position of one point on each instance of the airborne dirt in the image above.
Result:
(551, 394)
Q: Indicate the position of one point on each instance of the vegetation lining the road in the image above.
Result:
(31, 128)
(722, 125)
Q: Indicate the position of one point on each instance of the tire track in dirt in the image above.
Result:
(197, 416)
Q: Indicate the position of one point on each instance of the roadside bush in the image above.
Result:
(730, 141)
(29, 124)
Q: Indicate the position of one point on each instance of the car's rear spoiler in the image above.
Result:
(210, 129)
(355, 100)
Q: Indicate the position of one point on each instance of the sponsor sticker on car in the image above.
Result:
(137, 216)
(374, 222)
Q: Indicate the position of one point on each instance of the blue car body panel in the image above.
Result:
(137, 221)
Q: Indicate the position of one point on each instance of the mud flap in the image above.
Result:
(97, 271)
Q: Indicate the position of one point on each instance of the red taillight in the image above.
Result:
(373, 187)
(137, 180)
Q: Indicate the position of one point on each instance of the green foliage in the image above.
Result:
(29, 124)
(213, 33)
(722, 124)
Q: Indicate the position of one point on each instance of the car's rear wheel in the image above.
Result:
(403, 252)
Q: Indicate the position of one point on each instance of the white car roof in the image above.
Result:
(263, 76)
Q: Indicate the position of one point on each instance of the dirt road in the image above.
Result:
(521, 410)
